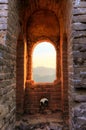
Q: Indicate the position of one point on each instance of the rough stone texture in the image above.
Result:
(40, 126)
(48, 121)
(79, 117)
(77, 75)
(8, 37)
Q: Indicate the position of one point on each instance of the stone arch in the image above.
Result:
(40, 28)
(44, 28)
(30, 50)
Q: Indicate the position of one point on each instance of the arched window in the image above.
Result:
(44, 62)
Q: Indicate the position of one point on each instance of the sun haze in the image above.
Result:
(44, 54)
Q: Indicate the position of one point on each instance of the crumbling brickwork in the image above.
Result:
(8, 37)
(77, 67)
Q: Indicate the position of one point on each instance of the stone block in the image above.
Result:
(3, 26)
(3, 6)
(79, 26)
(78, 34)
(3, 13)
(3, 20)
(80, 98)
(78, 61)
(83, 74)
(80, 4)
(79, 41)
(79, 11)
(79, 85)
(79, 18)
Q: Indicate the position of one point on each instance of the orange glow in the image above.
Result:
(25, 62)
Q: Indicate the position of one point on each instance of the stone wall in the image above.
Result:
(9, 29)
(77, 67)
(8, 37)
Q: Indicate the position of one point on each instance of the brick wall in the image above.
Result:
(64, 85)
(8, 37)
(77, 67)
(34, 92)
(20, 74)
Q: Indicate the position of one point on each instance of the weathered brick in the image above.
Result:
(79, 26)
(77, 75)
(80, 98)
(81, 4)
(3, 13)
(81, 40)
(79, 11)
(3, 6)
(7, 71)
(79, 18)
(78, 34)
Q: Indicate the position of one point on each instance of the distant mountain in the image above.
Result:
(42, 71)
(43, 74)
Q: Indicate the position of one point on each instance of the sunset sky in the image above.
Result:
(44, 54)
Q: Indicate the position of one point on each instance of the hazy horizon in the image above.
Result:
(43, 67)
(44, 54)
(44, 74)
(44, 62)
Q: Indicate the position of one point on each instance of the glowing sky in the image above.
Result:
(44, 54)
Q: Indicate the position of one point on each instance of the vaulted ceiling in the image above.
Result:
(59, 8)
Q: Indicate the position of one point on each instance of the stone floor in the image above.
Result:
(44, 121)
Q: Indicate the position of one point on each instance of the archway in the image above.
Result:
(44, 62)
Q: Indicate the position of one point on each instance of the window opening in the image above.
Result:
(44, 62)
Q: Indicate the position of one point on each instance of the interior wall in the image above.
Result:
(20, 74)
(41, 28)
(35, 92)
(64, 75)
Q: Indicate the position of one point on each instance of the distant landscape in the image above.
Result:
(44, 74)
